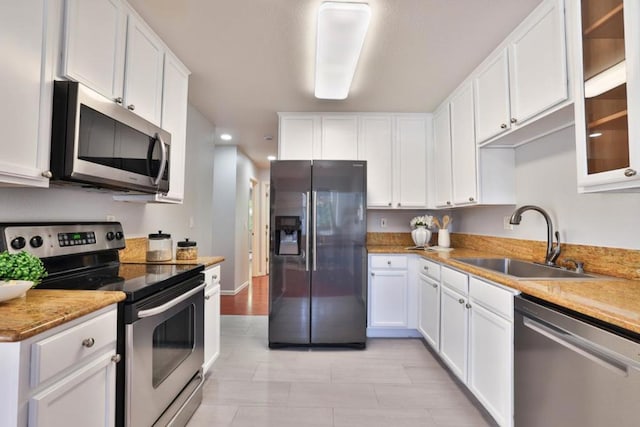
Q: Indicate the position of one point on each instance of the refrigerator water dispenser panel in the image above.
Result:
(288, 233)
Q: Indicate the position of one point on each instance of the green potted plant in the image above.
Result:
(18, 273)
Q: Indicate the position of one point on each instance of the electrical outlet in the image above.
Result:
(507, 224)
(383, 222)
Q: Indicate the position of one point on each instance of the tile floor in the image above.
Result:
(393, 383)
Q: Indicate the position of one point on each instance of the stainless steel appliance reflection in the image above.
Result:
(161, 322)
(318, 258)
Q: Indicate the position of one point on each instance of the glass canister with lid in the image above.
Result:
(187, 250)
(159, 247)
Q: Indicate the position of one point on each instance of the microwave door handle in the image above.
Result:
(152, 146)
(163, 159)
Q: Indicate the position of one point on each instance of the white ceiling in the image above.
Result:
(252, 58)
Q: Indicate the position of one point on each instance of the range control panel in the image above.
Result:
(55, 239)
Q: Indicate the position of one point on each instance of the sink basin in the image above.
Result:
(523, 269)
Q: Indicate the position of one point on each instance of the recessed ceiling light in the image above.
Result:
(342, 28)
(595, 134)
(225, 137)
(270, 158)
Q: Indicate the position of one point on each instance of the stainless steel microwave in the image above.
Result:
(96, 142)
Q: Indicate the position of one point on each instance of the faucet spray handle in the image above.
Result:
(579, 265)
(556, 250)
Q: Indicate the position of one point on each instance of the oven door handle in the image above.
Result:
(167, 305)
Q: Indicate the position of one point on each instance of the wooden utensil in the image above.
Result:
(436, 222)
(446, 220)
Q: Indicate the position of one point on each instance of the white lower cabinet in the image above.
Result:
(65, 376)
(211, 317)
(388, 298)
(429, 304)
(454, 326)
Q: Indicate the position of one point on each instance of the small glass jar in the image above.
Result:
(159, 247)
(186, 250)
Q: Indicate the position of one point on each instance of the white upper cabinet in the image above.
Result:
(538, 64)
(375, 145)
(411, 167)
(442, 157)
(524, 81)
(607, 87)
(94, 44)
(143, 71)
(26, 85)
(110, 49)
(492, 98)
(298, 137)
(463, 148)
(339, 137)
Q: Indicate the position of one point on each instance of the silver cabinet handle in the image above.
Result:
(399, 204)
(207, 297)
(131, 107)
(388, 262)
(373, 274)
(166, 306)
(471, 199)
(629, 172)
(514, 120)
(306, 254)
(503, 126)
(88, 342)
(47, 174)
(448, 202)
(118, 100)
(116, 358)
(389, 203)
(425, 268)
(467, 305)
(434, 286)
(461, 301)
(214, 277)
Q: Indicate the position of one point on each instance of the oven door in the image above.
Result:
(164, 349)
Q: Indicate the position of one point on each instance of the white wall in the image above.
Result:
(245, 172)
(71, 204)
(546, 176)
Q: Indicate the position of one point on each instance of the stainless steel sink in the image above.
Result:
(523, 269)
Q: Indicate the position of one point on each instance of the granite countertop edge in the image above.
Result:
(609, 299)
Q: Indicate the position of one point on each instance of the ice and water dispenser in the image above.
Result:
(288, 235)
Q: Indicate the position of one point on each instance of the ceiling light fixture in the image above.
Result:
(225, 137)
(342, 28)
(270, 158)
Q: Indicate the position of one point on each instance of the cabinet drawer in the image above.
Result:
(430, 269)
(494, 298)
(388, 261)
(456, 280)
(212, 276)
(64, 349)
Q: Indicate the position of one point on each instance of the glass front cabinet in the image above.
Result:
(607, 102)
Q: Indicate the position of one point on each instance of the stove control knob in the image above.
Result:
(110, 235)
(18, 243)
(119, 235)
(36, 241)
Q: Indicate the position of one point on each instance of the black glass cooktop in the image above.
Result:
(136, 280)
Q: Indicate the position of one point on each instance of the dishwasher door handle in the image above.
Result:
(578, 345)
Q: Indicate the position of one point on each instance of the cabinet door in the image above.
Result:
(538, 63)
(94, 44)
(454, 331)
(491, 362)
(339, 137)
(429, 311)
(25, 84)
(299, 138)
(492, 98)
(463, 148)
(211, 327)
(442, 156)
(411, 141)
(84, 398)
(174, 120)
(143, 72)
(388, 299)
(375, 146)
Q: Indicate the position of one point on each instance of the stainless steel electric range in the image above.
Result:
(161, 321)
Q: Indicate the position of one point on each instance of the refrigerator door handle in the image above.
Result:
(315, 222)
(306, 253)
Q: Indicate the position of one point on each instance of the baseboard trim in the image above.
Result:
(392, 333)
(235, 291)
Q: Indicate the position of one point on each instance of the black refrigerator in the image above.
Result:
(318, 256)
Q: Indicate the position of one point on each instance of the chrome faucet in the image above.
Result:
(552, 252)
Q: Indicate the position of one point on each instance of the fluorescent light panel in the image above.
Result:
(342, 28)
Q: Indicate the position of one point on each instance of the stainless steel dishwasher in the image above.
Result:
(570, 372)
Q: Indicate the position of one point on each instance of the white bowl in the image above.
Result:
(14, 289)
